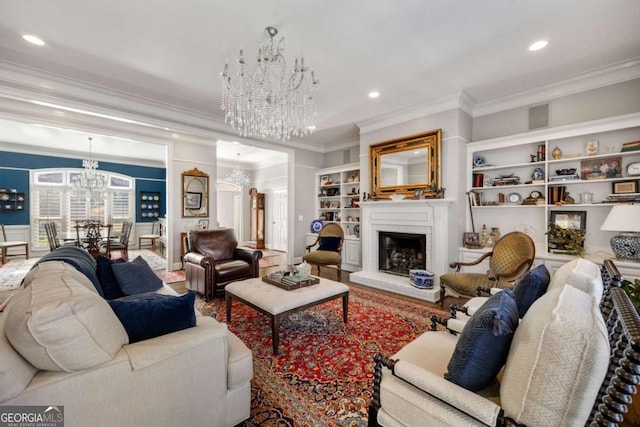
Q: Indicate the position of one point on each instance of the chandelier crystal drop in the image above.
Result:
(89, 181)
(268, 101)
(237, 176)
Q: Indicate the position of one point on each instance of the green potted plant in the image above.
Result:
(568, 240)
(633, 290)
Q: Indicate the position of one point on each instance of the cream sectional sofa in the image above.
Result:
(73, 351)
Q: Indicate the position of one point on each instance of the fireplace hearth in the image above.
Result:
(427, 218)
(401, 252)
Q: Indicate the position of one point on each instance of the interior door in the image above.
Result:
(278, 223)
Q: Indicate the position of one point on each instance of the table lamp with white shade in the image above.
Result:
(626, 220)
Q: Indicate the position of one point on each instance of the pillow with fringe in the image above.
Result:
(483, 346)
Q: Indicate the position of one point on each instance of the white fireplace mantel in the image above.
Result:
(429, 217)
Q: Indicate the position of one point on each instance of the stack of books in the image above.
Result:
(631, 146)
(622, 198)
(511, 180)
(296, 280)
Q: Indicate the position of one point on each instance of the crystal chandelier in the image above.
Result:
(267, 102)
(89, 180)
(237, 176)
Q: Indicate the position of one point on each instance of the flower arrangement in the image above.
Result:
(568, 240)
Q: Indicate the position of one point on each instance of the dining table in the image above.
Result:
(88, 235)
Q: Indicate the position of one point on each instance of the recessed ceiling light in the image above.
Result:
(312, 127)
(374, 94)
(538, 45)
(33, 39)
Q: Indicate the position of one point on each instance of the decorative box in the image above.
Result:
(422, 279)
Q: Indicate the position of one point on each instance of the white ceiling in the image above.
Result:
(411, 51)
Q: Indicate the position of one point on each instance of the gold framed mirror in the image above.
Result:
(406, 165)
(195, 194)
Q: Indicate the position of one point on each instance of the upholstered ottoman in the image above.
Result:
(277, 303)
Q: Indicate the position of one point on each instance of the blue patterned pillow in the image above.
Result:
(531, 287)
(151, 315)
(108, 281)
(136, 277)
(329, 244)
(484, 343)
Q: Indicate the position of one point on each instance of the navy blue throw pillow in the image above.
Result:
(151, 315)
(329, 244)
(484, 343)
(108, 281)
(531, 287)
(136, 277)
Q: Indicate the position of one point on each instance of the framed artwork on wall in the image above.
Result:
(566, 231)
(624, 187)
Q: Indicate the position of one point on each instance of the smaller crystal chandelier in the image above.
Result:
(89, 180)
(269, 101)
(237, 176)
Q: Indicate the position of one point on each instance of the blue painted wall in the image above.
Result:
(15, 169)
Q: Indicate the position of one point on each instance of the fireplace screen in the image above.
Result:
(401, 252)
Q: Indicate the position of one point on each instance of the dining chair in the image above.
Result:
(54, 240)
(121, 245)
(5, 245)
(153, 236)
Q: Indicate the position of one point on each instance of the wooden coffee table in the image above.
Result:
(277, 303)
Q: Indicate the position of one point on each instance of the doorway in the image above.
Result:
(277, 219)
(229, 207)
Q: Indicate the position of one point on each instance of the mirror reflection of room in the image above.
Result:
(407, 164)
(195, 194)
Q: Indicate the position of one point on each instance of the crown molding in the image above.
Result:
(342, 144)
(102, 104)
(460, 100)
(601, 77)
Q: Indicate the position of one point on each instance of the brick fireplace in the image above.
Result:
(427, 218)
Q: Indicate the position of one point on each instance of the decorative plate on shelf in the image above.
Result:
(356, 230)
(144, 197)
(479, 160)
(514, 198)
(316, 226)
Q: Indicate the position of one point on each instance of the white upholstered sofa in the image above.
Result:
(74, 352)
(566, 364)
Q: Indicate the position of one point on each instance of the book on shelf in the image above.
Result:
(631, 146)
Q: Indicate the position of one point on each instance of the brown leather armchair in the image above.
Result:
(214, 260)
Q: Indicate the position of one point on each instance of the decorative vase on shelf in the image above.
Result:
(537, 174)
(556, 153)
(495, 234)
(483, 235)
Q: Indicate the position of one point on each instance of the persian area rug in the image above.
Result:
(12, 273)
(323, 375)
(171, 276)
(155, 261)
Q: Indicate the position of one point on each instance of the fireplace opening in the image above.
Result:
(401, 252)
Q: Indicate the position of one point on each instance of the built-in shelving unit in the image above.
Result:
(338, 200)
(150, 205)
(516, 182)
(12, 199)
